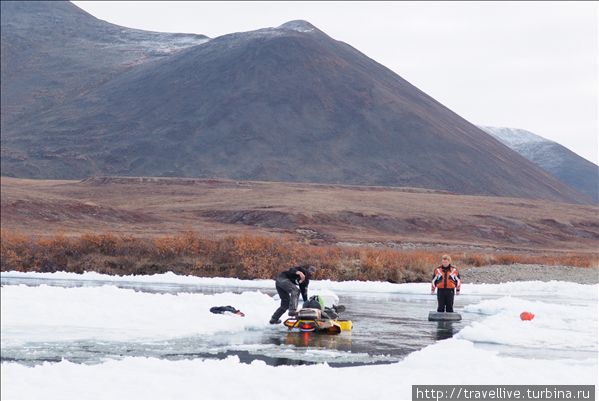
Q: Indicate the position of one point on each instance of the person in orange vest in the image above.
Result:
(446, 279)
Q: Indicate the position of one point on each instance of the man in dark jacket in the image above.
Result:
(287, 283)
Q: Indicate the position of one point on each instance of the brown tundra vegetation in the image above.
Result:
(244, 256)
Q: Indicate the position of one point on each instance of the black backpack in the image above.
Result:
(313, 303)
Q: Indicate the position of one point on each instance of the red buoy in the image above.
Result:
(527, 316)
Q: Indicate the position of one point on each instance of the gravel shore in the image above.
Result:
(520, 272)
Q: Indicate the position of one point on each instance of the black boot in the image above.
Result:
(273, 321)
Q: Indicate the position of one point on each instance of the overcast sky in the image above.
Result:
(530, 65)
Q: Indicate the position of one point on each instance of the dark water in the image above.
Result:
(387, 327)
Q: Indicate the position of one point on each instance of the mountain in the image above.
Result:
(552, 157)
(277, 104)
(53, 51)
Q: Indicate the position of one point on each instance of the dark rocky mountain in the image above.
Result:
(576, 171)
(277, 104)
(53, 51)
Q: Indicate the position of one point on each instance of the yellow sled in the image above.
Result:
(346, 325)
(318, 325)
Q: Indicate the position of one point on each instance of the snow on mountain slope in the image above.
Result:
(514, 136)
(552, 157)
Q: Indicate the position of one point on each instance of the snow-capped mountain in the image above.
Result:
(554, 158)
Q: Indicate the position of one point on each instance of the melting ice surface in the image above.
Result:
(75, 336)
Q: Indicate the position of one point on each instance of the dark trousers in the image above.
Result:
(445, 299)
(289, 294)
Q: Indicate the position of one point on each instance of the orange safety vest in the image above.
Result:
(446, 278)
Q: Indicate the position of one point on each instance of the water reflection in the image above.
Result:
(444, 331)
(339, 342)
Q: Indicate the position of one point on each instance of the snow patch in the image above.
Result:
(298, 25)
(514, 137)
(151, 378)
(557, 289)
(48, 313)
(555, 326)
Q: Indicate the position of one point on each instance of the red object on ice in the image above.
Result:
(527, 316)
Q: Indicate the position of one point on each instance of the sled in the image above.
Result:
(313, 320)
(318, 326)
(444, 316)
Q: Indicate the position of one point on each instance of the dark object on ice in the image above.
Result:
(315, 301)
(339, 308)
(444, 316)
(220, 310)
(274, 321)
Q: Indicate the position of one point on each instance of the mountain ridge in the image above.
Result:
(569, 167)
(277, 104)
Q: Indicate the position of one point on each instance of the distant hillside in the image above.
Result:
(403, 218)
(52, 51)
(277, 104)
(576, 171)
